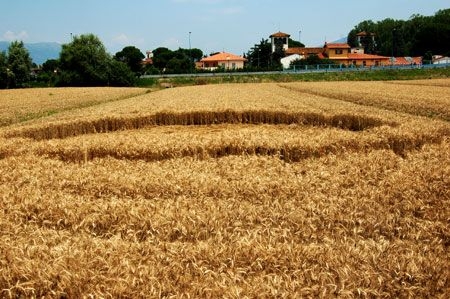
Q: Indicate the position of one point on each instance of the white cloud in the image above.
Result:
(11, 36)
(121, 39)
(171, 43)
(125, 40)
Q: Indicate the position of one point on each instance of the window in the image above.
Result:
(233, 65)
(364, 63)
(339, 51)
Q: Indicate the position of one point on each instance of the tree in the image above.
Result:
(132, 57)
(414, 37)
(311, 60)
(50, 66)
(3, 70)
(176, 62)
(85, 62)
(295, 44)
(49, 72)
(161, 57)
(260, 56)
(119, 74)
(366, 41)
(19, 63)
(196, 54)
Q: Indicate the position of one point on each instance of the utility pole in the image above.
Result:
(190, 51)
(394, 36)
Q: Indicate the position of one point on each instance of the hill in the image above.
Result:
(39, 52)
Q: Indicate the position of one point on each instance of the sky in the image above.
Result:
(210, 25)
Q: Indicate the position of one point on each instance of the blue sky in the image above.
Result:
(216, 25)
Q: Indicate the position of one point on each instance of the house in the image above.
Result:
(345, 55)
(438, 59)
(401, 61)
(223, 60)
(305, 51)
(341, 53)
(362, 59)
(336, 51)
(148, 60)
(299, 53)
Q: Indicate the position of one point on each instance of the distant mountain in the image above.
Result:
(341, 41)
(39, 52)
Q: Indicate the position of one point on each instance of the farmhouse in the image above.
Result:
(439, 59)
(223, 60)
(342, 53)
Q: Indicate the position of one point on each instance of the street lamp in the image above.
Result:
(394, 33)
(190, 50)
(190, 41)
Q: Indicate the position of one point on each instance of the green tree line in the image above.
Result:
(418, 36)
(15, 66)
(85, 62)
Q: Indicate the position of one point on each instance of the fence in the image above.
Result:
(324, 68)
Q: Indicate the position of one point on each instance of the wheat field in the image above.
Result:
(290, 190)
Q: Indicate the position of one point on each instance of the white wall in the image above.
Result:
(286, 61)
(443, 60)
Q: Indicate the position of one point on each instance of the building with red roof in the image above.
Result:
(305, 51)
(406, 61)
(223, 60)
(344, 54)
(341, 53)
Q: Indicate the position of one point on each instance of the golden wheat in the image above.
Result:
(167, 201)
(427, 100)
(25, 104)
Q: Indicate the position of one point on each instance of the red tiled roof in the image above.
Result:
(280, 34)
(357, 56)
(407, 60)
(223, 57)
(304, 51)
(337, 46)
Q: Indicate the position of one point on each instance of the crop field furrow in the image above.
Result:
(106, 125)
(25, 105)
(429, 101)
(293, 190)
(291, 146)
